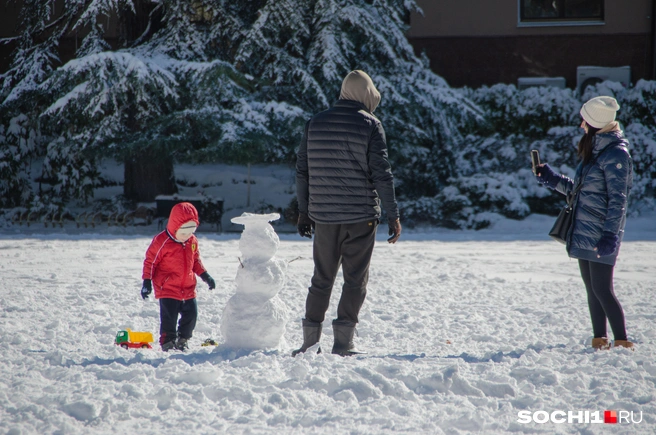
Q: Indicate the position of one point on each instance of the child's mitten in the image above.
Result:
(208, 279)
(146, 289)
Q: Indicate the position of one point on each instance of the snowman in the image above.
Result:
(255, 317)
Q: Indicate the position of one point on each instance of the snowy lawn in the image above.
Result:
(464, 330)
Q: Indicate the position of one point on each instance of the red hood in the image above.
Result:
(181, 213)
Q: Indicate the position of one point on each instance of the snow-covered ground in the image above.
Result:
(464, 331)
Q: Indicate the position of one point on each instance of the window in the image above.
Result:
(545, 11)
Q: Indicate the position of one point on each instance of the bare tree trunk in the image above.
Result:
(146, 177)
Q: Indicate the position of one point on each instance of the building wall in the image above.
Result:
(473, 62)
(468, 48)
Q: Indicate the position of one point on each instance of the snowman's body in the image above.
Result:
(255, 317)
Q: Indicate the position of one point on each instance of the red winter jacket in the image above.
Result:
(171, 265)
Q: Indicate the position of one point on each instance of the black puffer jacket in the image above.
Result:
(342, 170)
(601, 203)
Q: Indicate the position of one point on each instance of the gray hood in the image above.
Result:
(357, 86)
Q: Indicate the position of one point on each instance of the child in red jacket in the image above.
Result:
(171, 265)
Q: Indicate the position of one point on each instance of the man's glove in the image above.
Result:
(607, 244)
(146, 289)
(208, 279)
(547, 176)
(305, 225)
(394, 231)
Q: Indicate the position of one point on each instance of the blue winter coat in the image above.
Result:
(601, 203)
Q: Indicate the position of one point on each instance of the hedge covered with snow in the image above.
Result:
(491, 171)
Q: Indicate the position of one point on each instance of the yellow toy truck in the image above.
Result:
(129, 338)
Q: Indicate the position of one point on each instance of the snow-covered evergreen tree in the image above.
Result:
(224, 114)
(32, 63)
(22, 96)
(305, 49)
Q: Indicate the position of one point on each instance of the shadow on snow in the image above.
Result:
(468, 358)
(219, 354)
(223, 354)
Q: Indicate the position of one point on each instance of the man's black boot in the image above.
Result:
(311, 336)
(343, 332)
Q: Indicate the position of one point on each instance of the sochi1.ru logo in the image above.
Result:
(559, 417)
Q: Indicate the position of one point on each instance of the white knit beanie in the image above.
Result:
(600, 111)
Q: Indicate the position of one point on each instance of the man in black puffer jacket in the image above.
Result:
(342, 174)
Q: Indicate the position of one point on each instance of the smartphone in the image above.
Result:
(535, 160)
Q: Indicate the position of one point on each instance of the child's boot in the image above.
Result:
(168, 346)
(624, 343)
(181, 344)
(600, 343)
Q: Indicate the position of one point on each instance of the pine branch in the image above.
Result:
(150, 21)
(51, 25)
(9, 40)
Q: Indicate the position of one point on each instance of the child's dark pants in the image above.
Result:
(169, 309)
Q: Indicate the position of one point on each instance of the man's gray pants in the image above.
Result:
(348, 245)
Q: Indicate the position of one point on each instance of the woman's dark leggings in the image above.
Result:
(598, 280)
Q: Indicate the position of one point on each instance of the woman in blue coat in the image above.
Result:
(606, 174)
